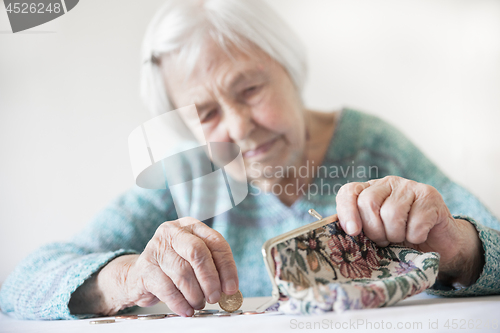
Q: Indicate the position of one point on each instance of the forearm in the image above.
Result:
(104, 293)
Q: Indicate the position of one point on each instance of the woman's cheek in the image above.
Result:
(271, 117)
(216, 131)
(218, 135)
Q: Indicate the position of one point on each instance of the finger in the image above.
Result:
(194, 250)
(347, 207)
(370, 202)
(222, 256)
(160, 285)
(424, 214)
(395, 212)
(182, 275)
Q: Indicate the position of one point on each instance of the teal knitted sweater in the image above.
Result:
(363, 147)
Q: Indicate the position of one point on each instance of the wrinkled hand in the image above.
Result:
(185, 264)
(397, 210)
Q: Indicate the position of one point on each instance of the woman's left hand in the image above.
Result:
(397, 210)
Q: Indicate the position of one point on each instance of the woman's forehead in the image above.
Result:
(215, 69)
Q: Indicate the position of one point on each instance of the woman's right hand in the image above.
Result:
(185, 264)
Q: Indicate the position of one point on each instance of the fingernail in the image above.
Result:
(351, 227)
(201, 305)
(214, 297)
(383, 244)
(189, 312)
(231, 286)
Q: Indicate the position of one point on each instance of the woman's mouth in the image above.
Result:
(261, 149)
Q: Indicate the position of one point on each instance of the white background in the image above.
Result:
(69, 98)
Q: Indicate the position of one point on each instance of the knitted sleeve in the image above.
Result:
(488, 282)
(41, 285)
(411, 163)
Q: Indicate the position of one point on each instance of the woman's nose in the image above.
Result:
(239, 122)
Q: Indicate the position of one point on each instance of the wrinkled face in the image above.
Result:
(247, 99)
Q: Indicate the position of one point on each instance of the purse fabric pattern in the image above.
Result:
(327, 270)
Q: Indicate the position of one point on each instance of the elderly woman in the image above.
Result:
(244, 69)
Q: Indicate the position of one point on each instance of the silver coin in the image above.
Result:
(102, 321)
(226, 313)
(127, 317)
(208, 311)
(152, 317)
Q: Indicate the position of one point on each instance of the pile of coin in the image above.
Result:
(217, 313)
(131, 316)
(102, 321)
(230, 304)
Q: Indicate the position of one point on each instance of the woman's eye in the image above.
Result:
(250, 90)
(208, 116)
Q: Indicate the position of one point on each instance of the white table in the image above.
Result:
(420, 313)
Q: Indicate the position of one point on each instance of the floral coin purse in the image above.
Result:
(319, 268)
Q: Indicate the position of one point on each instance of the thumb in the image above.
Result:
(347, 207)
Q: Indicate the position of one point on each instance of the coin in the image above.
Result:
(102, 321)
(152, 317)
(172, 315)
(231, 303)
(126, 317)
(203, 314)
(225, 313)
(207, 311)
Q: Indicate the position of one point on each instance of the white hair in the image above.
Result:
(183, 25)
